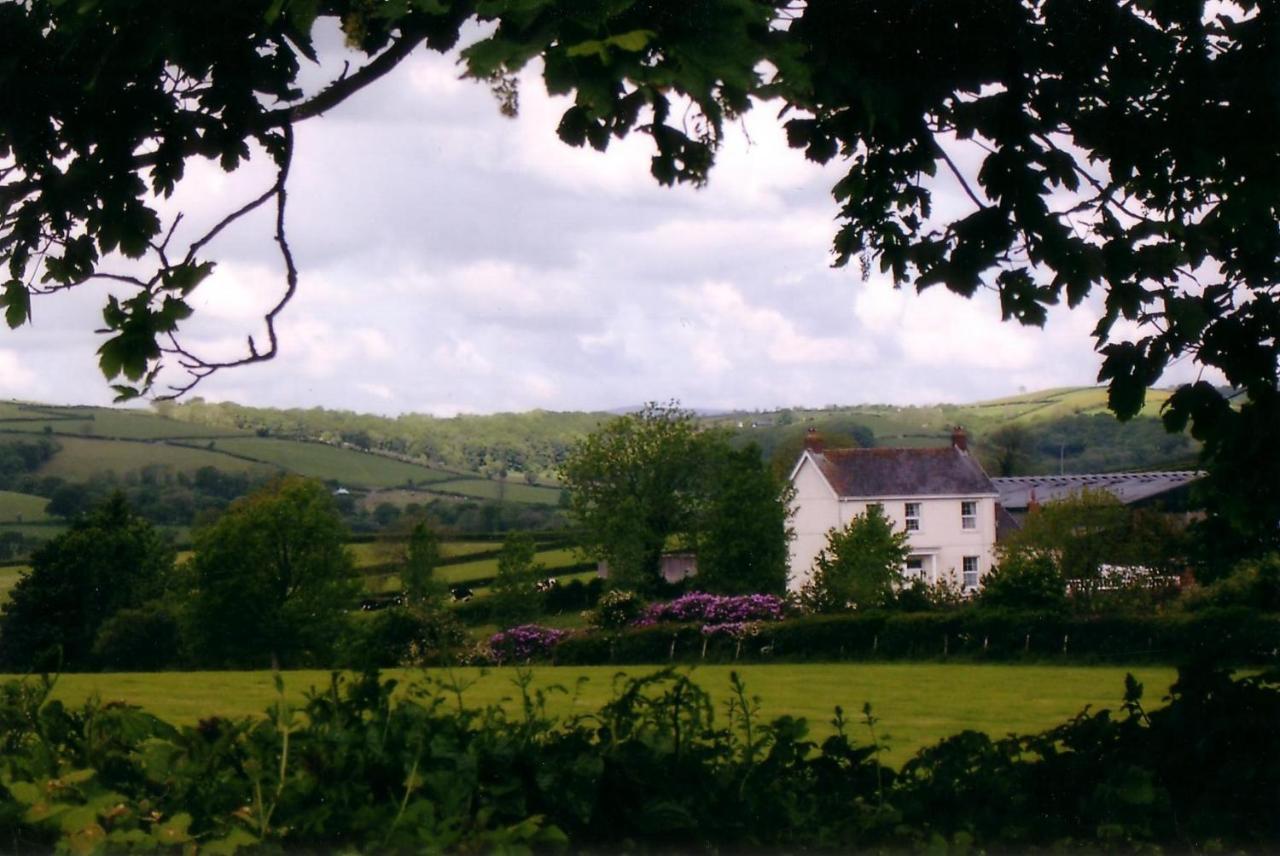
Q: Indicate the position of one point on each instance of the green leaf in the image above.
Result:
(17, 302)
(633, 42)
(174, 831)
(235, 840)
(26, 793)
(185, 277)
(77, 819)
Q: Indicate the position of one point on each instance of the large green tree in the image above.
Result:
(110, 560)
(634, 485)
(273, 579)
(742, 524)
(652, 481)
(1096, 146)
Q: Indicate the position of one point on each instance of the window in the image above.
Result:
(971, 572)
(913, 517)
(915, 567)
(969, 515)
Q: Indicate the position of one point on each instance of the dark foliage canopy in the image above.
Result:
(110, 560)
(1121, 148)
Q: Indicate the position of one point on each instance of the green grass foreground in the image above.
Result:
(915, 704)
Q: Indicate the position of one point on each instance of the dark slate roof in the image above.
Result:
(1015, 491)
(903, 472)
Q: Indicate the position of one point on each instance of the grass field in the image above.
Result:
(330, 462)
(80, 458)
(490, 488)
(22, 507)
(916, 704)
(102, 422)
(484, 568)
(9, 576)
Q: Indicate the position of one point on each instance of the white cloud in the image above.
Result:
(15, 378)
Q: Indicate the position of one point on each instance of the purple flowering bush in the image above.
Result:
(734, 629)
(714, 609)
(523, 643)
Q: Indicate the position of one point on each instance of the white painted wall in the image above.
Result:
(942, 541)
(817, 512)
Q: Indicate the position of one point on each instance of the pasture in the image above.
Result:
(22, 507)
(104, 422)
(916, 704)
(346, 466)
(80, 459)
(9, 576)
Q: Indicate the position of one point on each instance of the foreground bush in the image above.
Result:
(358, 770)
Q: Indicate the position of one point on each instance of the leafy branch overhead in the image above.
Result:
(1124, 151)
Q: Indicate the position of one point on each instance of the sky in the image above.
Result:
(454, 260)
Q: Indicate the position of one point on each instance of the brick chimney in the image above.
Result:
(813, 441)
(960, 439)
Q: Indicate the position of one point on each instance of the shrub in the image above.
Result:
(1025, 581)
(362, 768)
(860, 567)
(524, 643)
(714, 609)
(145, 639)
(615, 610)
(403, 636)
(1253, 584)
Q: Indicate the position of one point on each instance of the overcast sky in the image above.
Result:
(453, 260)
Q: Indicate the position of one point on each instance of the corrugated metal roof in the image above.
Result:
(1015, 491)
(903, 472)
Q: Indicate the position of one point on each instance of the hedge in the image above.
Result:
(1226, 636)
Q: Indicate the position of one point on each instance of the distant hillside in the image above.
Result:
(131, 445)
(1059, 430)
(1067, 429)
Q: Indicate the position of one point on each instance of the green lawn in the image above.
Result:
(916, 704)
(22, 507)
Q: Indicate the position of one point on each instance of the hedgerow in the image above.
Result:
(1226, 635)
(361, 767)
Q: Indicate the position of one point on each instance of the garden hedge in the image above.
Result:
(1229, 636)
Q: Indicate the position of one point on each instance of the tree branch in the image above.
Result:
(344, 87)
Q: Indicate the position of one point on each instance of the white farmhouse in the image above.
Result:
(941, 497)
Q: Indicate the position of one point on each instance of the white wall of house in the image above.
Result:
(816, 512)
(940, 544)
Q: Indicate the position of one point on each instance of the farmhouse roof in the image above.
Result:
(1129, 488)
(864, 473)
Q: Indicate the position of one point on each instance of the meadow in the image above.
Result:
(915, 704)
(22, 507)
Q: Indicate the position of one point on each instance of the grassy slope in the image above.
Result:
(464, 572)
(329, 462)
(80, 458)
(9, 575)
(102, 422)
(490, 489)
(23, 507)
(916, 704)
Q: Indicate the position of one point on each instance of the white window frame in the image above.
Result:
(969, 568)
(911, 514)
(917, 572)
(969, 514)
